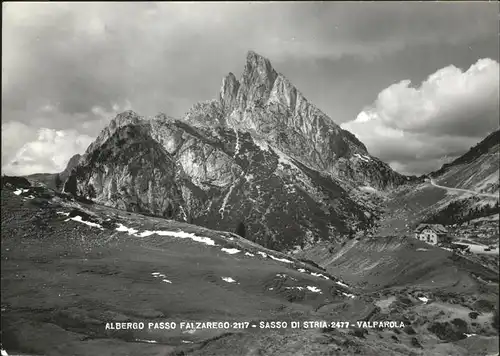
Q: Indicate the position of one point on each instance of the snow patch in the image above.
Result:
(342, 284)
(422, 249)
(261, 144)
(145, 233)
(367, 188)
(123, 228)
(190, 331)
(79, 219)
(319, 275)
(62, 213)
(299, 288)
(4, 353)
(184, 235)
(179, 234)
(167, 281)
(352, 296)
(230, 251)
(314, 289)
(249, 254)
(184, 216)
(228, 279)
(148, 341)
(302, 270)
(238, 144)
(226, 198)
(424, 299)
(263, 254)
(363, 158)
(20, 191)
(280, 259)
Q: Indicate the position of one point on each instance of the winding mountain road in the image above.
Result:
(463, 190)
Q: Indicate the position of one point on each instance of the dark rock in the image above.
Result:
(416, 343)
(484, 306)
(305, 260)
(240, 230)
(447, 331)
(473, 315)
(358, 332)
(15, 182)
(409, 330)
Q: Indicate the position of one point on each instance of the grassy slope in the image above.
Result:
(66, 280)
(48, 179)
(62, 281)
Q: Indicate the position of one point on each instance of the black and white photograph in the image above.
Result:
(250, 178)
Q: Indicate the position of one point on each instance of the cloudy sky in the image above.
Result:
(418, 83)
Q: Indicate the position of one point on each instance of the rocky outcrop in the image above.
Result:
(264, 103)
(260, 157)
(215, 177)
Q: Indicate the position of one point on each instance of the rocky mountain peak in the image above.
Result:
(257, 80)
(125, 118)
(266, 104)
(255, 61)
(163, 117)
(229, 92)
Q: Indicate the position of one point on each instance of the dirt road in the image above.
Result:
(463, 190)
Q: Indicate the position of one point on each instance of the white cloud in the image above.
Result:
(49, 152)
(27, 149)
(448, 113)
(14, 135)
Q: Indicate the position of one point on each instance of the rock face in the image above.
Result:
(476, 170)
(260, 159)
(214, 177)
(264, 103)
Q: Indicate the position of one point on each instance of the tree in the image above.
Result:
(71, 185)
(240, 229)
(169, 212)
(495, 321)
(58, 181)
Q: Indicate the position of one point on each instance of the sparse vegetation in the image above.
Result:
(495, 321)
(58, 182)
(240, 230)
(460, 211)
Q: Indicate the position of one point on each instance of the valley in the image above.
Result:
(252, 213)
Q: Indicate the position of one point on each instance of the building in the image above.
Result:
(431, 233)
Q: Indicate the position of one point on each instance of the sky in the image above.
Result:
(418, 83)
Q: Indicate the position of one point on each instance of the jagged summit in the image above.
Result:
(229, 91)
(248, 153)
(264, 103)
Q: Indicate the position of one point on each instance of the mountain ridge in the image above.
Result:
(266, 104)
(241, 159)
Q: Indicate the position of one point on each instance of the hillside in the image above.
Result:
(72, 271)
(460, 191)
(240, 159)
(476, 170)
(55, 180)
